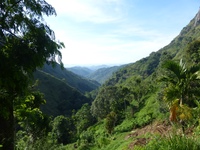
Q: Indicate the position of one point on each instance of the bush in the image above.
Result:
(44, 143)
(102, 141)
(126, 125)
(87, 136)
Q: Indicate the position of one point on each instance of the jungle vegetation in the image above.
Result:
(162, 88)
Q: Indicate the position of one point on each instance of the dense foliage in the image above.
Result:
(26, 43)
(163, 85)
(60, 98)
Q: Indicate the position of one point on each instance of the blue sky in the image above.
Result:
(114, 32)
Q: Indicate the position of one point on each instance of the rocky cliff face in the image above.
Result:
(197, 18)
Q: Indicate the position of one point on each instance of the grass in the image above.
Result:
(173, 142)
(118, 143)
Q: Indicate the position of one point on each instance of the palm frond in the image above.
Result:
(193, 69)
(173, 67)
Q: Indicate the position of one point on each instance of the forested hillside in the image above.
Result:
(140, 80)
(75, 81)
(61, 98)
(134, 96)
(150, 104)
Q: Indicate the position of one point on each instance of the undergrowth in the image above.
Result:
(173, 142)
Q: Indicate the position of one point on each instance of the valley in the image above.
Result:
(149, 104)
(128, 106)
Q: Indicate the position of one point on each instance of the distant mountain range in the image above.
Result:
(81, 71)
(98, 73)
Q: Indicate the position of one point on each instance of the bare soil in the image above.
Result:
(143, 135)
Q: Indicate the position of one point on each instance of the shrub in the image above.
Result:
(87, 136)
(126, 125)
(44, 143)
(102, 141)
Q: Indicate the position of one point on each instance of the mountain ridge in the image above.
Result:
(100, 74)
(138, 82)
(81, 84)
(60, 97)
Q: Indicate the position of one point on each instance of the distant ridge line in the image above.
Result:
(197, 18)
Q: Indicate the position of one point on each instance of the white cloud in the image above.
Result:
(96, 11)
(117, 46)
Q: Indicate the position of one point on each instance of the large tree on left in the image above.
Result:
(26, 42)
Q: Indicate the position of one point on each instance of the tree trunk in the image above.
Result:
(173, 113)
(7, 125)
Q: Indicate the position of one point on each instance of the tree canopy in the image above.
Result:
(26, 42)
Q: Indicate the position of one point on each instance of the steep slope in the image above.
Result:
(61, 98)
(81, 71)
(187, 35)
(175, 50)
(79, 83)
(135, 87)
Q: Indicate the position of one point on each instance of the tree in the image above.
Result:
(63, 129)
(84, 118)
(193, 51)
(110, 98)
(29, 116)
(26, 43)
(111, 119)
(182, 87)
(101, 106)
